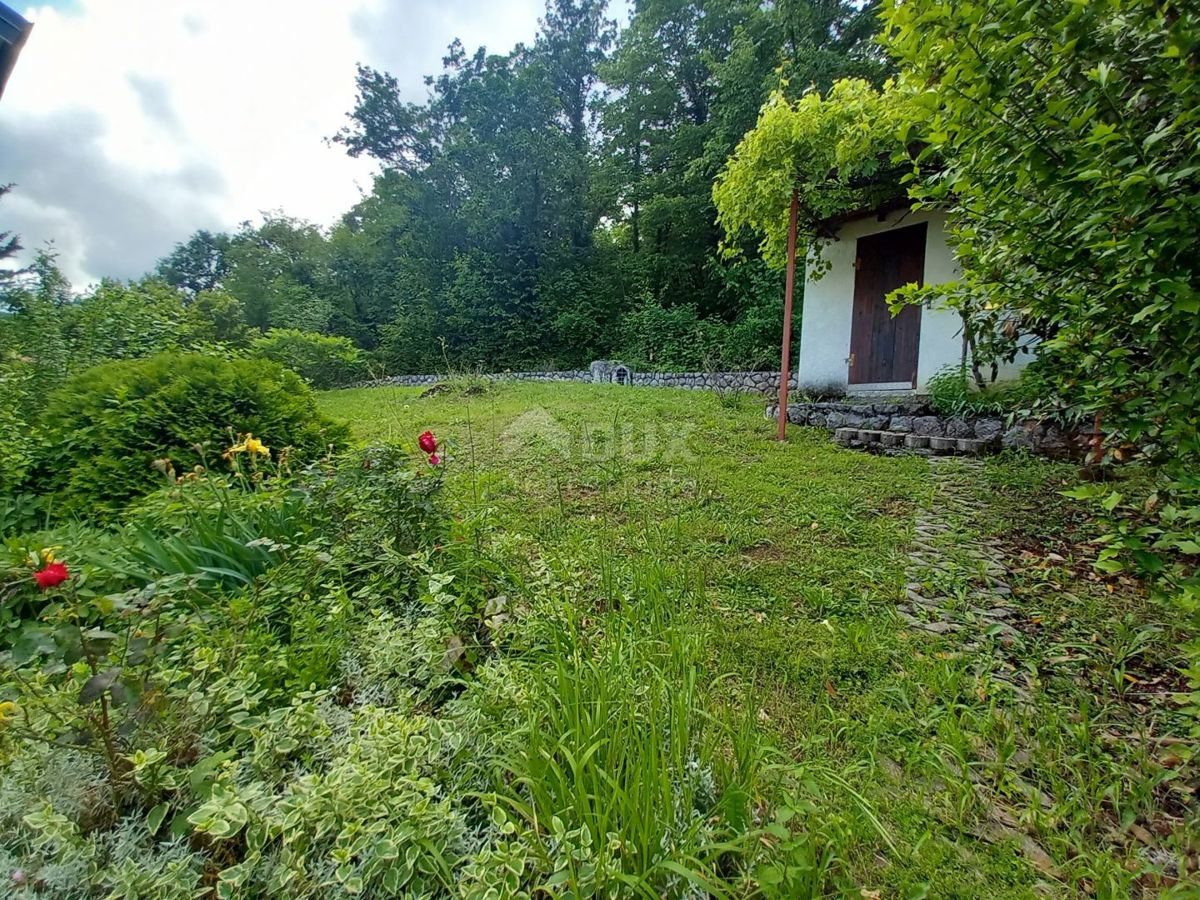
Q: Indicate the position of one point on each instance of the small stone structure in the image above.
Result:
(610, 371)
(910, 425)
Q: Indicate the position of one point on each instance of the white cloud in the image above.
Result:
(128, 124)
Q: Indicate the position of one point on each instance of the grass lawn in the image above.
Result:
(891, 761)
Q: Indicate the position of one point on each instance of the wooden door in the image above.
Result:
(883, 347)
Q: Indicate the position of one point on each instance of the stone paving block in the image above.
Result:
(986, 615)
(938, 627)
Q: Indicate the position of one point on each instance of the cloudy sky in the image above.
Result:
(128, 124)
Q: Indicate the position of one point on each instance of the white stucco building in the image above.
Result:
(848, 337)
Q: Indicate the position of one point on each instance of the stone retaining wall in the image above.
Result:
(915, 416)
(764, 383)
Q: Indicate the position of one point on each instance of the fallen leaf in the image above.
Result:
(1142, 834)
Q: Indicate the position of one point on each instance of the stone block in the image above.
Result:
(892, 439)
(1019, 437)
(959, 428)
(970, 446)
(1053, 441)
(847, 419)
(914, 407)
(989, 429)
(943, 444)
(900, 423)
(916, 441)
(845, 436)
(930, 426)
(869, 436)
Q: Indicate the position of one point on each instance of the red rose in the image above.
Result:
(51, 576)
(427, 441)
(434, 459)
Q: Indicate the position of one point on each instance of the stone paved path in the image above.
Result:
(959, 585)
(955, 586)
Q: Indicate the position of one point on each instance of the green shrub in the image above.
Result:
(104, 429)
(655, 337)
(18, 442)
(126, 321)
(218, 318)
(320, 360)
(951, 394)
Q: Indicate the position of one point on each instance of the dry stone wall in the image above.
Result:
(763, 383)
(903, 418)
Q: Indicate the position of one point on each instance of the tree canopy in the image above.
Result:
(539, 205)
(841, 152)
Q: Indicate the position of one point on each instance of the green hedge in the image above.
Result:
(103, 429)
(320, 360)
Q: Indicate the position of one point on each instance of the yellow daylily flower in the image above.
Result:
(248, 444)
(254, 445)
(8, 709)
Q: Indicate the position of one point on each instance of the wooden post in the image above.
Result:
(788, 286)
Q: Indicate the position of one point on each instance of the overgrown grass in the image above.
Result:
(621, 756)
(881, 760)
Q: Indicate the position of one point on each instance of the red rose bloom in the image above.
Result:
(434, 459)
(427, 441)
(51, 576)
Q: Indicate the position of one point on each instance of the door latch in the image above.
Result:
(850, 360)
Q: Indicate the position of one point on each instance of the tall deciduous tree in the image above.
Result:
(687, 79)
(487, 187)
(197, 264)
(531, 201)
(10, 246)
